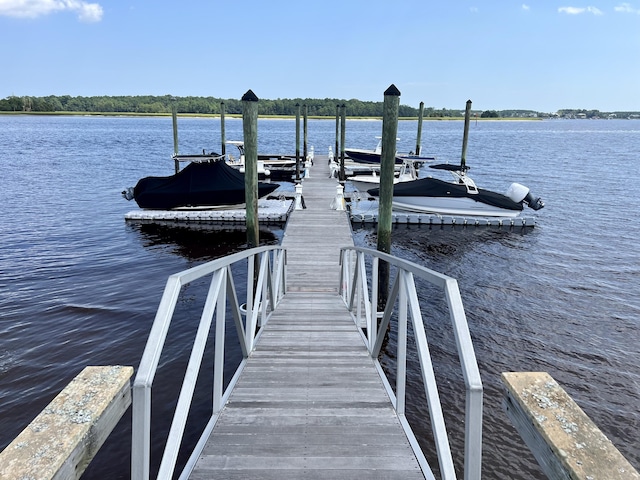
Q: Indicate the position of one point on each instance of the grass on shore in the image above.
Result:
(237, 115)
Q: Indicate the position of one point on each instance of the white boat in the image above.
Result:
(238, 162)
(461, 197)
(360, 155)
(276, 166)
(365, 182)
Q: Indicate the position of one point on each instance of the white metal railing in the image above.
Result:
(270, 286)
(359, 296)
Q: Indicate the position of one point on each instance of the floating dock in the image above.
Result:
(270, 211)
(366, 212)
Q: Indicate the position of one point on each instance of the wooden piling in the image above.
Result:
(387, 164)
(250, 132)
(297, 143)
(419, 136)
(222, 132)
(343, 126)
(305, 112)
(465, 138)
(337, 150)
(174, 116)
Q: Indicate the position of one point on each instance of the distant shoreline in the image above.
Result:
(273, 117)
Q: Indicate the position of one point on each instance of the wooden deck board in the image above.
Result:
(310, 403)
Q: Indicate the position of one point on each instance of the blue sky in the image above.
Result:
(539, 55)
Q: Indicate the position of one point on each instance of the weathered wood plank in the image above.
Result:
(66, 435)
(333, 474)
(566, 443)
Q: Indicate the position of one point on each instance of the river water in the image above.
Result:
(79, 285)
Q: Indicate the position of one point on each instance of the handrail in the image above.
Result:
(359, 296)
(261, 300)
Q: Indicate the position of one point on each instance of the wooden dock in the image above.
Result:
(310, 402)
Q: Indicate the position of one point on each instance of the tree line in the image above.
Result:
(162, 105)
(148, 104)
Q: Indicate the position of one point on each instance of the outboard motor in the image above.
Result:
(128, 193)
(519, 193)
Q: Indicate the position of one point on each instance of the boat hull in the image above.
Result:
(432, 195)
(450, 206)
(362, 183)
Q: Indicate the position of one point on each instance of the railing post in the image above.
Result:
(248, 334)
(342, 285)
(141, 433)
(471, 373)
(141, 423)
(358, 288)
(401, 373)
(218, 361)
(261, 301)
(374, 302)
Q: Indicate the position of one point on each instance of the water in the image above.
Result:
(79, 286)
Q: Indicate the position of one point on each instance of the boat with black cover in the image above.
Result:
(373, 156)
(200, 185)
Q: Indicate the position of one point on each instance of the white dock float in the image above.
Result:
(366, 212)
(269, 211)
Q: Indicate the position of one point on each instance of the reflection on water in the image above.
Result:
(200, 241)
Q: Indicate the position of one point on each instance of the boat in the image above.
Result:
(203, 184)
(364, 182)
(373, 156)
(461, 197)
(279, 167)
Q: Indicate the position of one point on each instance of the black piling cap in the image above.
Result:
(392, 90)
(249, 97)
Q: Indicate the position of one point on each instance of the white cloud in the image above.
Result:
(526, 7)
(626, 8)
(87, 12)
(579, 10)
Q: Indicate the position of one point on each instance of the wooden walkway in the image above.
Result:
(310, 403)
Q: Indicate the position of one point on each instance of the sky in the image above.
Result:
(540, 55)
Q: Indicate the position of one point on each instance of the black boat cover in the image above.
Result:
(196, 185)
(449, 167)
(434, 187)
